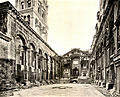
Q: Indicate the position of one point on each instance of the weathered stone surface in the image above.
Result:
(60, 90)
(23, 50)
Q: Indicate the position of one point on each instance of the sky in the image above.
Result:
(71, 24)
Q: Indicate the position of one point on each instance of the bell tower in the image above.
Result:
(35, 14)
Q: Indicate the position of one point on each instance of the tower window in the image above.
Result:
(40, 25)
(43, 15)
(22, 5)
(40, 28)
(29, 3)
(25, 18)
(39, 8)
(28, 19)
(36, 21)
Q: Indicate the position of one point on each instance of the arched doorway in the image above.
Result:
(75, 71)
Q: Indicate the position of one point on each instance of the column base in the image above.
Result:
(109, 86)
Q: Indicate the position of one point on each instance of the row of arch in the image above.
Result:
(32, 63)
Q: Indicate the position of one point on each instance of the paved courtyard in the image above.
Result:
(60, 90)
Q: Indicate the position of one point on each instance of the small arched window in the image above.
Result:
(28, 19)
(36, 22)
(25, 18)
(43, 15)
(22, 5)
(29, 3)
(40, 26)
(39, 8)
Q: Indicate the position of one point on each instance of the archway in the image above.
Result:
(20, 58)
(32, 63)
(75, 71)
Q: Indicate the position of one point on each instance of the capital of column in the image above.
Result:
(25, 47)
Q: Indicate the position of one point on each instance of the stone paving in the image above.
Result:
(102, 90)
(60, 90)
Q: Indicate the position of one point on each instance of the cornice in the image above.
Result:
(5, 37)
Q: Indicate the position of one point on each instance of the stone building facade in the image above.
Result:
(35, 14)
(25, 55)
(75, 64)
(104, 60)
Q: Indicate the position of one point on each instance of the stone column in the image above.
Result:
(44, 68)
(96, 74)
(118, 79)
(44, 78)
(17, 56)
(41, 69)
(37, 72)
(25, 63)
(49, 68)
(80, 67)
(53, 68)
(104, 66)
(17, 61)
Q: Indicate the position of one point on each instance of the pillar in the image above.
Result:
(49, 67)
(44, 68)
(37, 71)
(80, 67)
(96, 74)
(25, 63)
(53, 69)
(118, 79)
